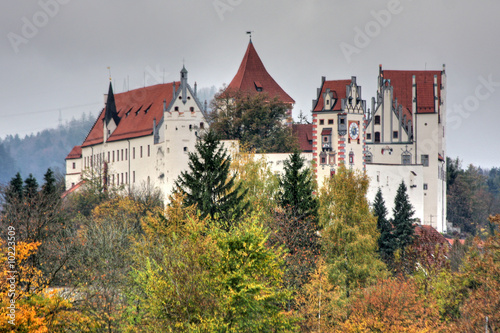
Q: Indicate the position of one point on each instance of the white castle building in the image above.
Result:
(402, 138)
(142, 137)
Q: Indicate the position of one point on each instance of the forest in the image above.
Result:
(241, 249)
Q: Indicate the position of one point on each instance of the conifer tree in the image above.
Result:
(30, 187)
(403, 219)
(15, 189)
(49, 187)
(386, 243)
(208, 183)
(297, 187)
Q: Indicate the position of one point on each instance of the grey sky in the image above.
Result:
(62, 63)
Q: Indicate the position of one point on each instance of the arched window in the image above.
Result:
(377, 120)
(377, 136)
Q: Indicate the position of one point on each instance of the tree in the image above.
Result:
(190, 276)
(296, 221)
(481, 276)
(208, 183)
(386, 241)
(403, 219)
(349, 235)
(255, 119)
(392, 305)
(297, 188)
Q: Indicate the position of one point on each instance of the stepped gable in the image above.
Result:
(303, 132)
(253, 77)
(339, 89)
(76, 152)
(402, 82)
(136, 110)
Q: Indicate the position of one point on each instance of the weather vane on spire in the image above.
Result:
(249, 33)
(109, 70)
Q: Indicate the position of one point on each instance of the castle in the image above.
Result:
(142, 137)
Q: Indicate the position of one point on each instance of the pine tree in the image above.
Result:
(296, 224)
(15, 189)
(208, 183)
(297, 187)
(30, 186)
(49, 187)
(386, 243)
(403, 219)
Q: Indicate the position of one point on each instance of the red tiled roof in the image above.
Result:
(72, 189)
(430, 234)
(402, 82)
(338, 87)
(252, 75)
(76, 152)
(303, 132)
(134, 120)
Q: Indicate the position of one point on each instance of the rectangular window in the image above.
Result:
(321, 122)
(122, 154)
(126, 177)
(406, 159)
(368, 158)
(122, 177)
(332, 159)
(395, 134)
(377, 120)
(323, 160)
(133, 176)
(149, 151)
(140, 154)
(202, 125)
(113, 155)
(368, 136)
(425, 186)
(133, 153)
(126, 154)
(109, 160)
(330, 121)
(74, 165)
(113, 180)
(425, 160)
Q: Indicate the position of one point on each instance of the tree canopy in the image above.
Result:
(256, 120)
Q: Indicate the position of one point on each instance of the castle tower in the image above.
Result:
(253, 78)
(338, 127)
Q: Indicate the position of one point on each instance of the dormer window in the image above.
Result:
(258, 86)
(146, 111)
(137, 112)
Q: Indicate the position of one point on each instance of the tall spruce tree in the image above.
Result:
(30, 187)
(386, 242)
(403, 219)
(49, 187)
(208, 183)
(296, 225)
(297, 187)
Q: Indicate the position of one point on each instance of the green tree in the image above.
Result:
(296, 222)
(30, 187)
(350, 234)
(255, 119)
(403, 220)
(208, 183)
(49, 186)
(386, 241)
(297, 188)
(190, 276)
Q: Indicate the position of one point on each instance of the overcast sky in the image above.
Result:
(54, 54)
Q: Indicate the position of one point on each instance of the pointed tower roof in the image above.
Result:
(111, 112)
(253, 77)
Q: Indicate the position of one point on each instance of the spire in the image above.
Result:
(253, 77)
(183, 87)
(111, 112)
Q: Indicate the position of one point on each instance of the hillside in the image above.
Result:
(36, 153)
